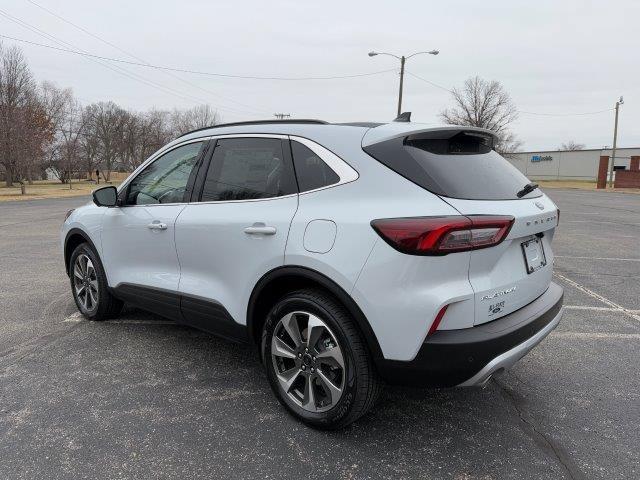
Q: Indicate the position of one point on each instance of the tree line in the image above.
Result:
(45, 129)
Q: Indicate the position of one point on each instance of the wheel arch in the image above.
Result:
(75, 237)
(276, 283)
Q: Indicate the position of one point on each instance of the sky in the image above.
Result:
(555, 58)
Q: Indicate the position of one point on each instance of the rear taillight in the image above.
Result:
(442, 235)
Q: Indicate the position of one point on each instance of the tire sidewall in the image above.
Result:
(300, 302)
(85, 249)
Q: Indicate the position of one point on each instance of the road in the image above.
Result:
(140, 397)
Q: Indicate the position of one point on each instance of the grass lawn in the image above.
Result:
(52, 189)
(581, 185)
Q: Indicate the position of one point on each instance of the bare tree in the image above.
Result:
(105, 121)
(64, 115)
(200, 116)
(485, 104)
(17, 98)
(571, 145)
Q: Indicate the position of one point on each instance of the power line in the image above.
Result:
(106, 42)
(519, 111)
(433, 84)
(565, 114)
(114, 68)
(196, 72)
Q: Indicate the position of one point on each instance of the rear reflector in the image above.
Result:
(436, 322)
(442, 235)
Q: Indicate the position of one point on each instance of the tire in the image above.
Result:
(94, 301)
(311, 385)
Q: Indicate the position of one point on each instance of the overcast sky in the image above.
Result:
(553, 57)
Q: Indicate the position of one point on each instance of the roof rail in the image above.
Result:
(258, 122)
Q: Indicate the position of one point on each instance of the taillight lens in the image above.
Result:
(442, 235)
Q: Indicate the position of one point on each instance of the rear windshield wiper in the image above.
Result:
(528, 188)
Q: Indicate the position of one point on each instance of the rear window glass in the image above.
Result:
(453, 164)
(311, 170)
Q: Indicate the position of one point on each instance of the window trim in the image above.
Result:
(123, 188)
(345, 172)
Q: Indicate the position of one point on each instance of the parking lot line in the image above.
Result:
(600, 309)
(597, 335)
(597, 296)
(614, 259)
(77, 317)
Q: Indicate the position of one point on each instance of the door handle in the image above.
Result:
(260, 228)
(157, 226)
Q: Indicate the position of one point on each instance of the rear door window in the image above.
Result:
(312, 172)
(453, 164)
(248, 168)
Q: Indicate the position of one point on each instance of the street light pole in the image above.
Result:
(402, 59)
(615, 140)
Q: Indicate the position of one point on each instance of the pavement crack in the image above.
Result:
(546, 444)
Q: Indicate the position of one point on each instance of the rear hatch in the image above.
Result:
(518, 270)
(459, 165)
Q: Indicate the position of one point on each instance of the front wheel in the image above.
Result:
(89, 285)
(317, 363)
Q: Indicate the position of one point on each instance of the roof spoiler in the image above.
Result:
(404, 129)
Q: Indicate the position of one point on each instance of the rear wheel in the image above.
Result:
(317, 362)
(89, 285)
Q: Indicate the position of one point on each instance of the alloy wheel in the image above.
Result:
(308, 361)
(85, 282)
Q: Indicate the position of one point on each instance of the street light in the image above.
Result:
(402, 60)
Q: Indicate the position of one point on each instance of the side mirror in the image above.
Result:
(106, 196)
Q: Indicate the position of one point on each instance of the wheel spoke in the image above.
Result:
(85, 299)
(334, 354)
(280, 349)
(309, 399)
(91, 272)
(333, 389)
(315, 328)
(79, 290)
(290, 324)
(77, 272)
(93, 297)
(287, 378)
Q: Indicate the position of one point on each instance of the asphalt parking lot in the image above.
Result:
(140, 397)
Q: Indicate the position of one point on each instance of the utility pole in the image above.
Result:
(615, 140)
(282, 116)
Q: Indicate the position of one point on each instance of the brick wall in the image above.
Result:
(627, 179)
(602, 172)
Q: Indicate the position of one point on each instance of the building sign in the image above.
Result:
(541, 158)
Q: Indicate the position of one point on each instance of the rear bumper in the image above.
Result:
(470, 356)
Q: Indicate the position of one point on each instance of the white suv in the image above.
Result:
(349, 254)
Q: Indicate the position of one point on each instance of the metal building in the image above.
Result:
(569, 165)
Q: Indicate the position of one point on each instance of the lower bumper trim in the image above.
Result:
(469, 356)
(510, 357)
